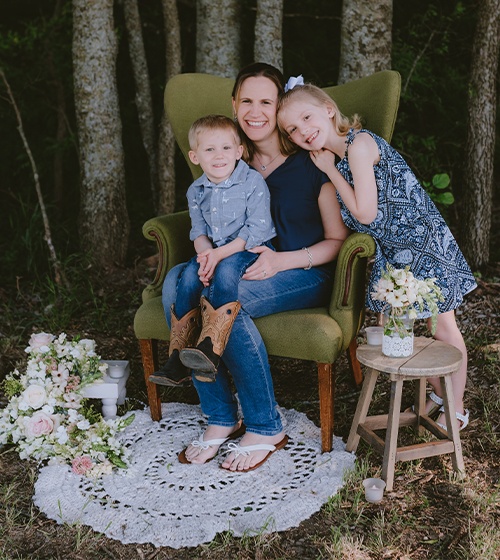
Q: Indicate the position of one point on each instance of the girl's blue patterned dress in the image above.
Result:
(408, 229)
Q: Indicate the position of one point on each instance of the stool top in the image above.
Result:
(430, 358)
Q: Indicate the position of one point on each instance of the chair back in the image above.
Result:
(191, 96)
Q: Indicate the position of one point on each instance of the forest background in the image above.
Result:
(431, 48)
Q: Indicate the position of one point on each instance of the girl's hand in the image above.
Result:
(265, 266)
(323, 160)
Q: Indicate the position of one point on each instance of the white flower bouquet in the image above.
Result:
(46, 416)
(405, 296)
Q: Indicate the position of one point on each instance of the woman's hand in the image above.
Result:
(265, 266)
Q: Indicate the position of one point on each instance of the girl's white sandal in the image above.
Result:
(464, 418)
(433, 411)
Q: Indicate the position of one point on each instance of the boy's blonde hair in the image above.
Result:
(211, 122)
(316, 96)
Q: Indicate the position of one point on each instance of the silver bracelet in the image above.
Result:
(310, 257)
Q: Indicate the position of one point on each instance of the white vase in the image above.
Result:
(397, 341)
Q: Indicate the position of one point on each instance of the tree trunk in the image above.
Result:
(365, 38)
(104, 224)
(218, 37)
(166, 140)
(480, 145)
(143, 98)
(268, 46)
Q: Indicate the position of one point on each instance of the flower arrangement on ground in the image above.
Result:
(47, 417)
(404, 296)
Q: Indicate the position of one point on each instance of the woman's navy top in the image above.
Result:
(295, 187)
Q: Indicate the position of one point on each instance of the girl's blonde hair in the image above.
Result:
(316, 96)
(257, 70)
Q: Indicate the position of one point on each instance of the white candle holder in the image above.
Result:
(116, 368)
(374, 490)
(374, 335)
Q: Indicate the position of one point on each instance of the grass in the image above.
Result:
(430, 514)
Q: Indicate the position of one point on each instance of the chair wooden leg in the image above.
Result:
(149, 353)
(326, 385)
(354, 364)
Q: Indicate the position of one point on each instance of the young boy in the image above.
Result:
(229, 207)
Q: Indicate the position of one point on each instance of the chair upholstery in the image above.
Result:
(319, 334)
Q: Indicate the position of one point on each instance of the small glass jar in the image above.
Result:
(397, 341)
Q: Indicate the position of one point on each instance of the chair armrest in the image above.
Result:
(347, 304)
(171, 234)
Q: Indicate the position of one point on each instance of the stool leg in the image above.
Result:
(452, 424)
(362, 408)
(419, 404)
(391, 438)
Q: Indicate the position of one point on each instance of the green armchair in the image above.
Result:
(320, 334)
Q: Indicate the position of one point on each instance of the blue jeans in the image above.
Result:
(245, 355)
(223, 286)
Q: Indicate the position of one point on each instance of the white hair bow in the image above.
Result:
(292, 82)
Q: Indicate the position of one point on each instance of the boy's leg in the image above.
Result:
(184, 328)
(218, 312)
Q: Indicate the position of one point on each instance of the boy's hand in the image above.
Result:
(202, 271)
(208, 260)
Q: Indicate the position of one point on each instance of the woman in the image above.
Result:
(298, 275)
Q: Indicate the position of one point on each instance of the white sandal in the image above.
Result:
(438, 401)
(464, 418)
(204, 445)
(247, 449)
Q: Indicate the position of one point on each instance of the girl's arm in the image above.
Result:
(361, 201)
(321, 253)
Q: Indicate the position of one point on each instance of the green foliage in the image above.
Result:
(432, 42)
(11, 387)
(431, 49)
(91, 414)
(436, 189)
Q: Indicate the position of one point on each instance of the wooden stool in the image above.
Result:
(431, 358)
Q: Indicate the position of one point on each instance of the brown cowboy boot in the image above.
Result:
(183, 332)
(215, 331)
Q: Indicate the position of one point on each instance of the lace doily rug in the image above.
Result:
(160, 501)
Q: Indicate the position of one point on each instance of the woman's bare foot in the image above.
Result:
(198, 455)
(245, 462)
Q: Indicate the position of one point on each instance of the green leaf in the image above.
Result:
(127, 421)
(441, 180)
(117, 461)
(446, 198)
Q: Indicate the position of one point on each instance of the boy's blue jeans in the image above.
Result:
(245, 355)
(223, 287)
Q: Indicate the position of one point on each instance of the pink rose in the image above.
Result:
(81, 465)
(40, 424)
(40, 339)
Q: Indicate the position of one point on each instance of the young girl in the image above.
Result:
(380, 195)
